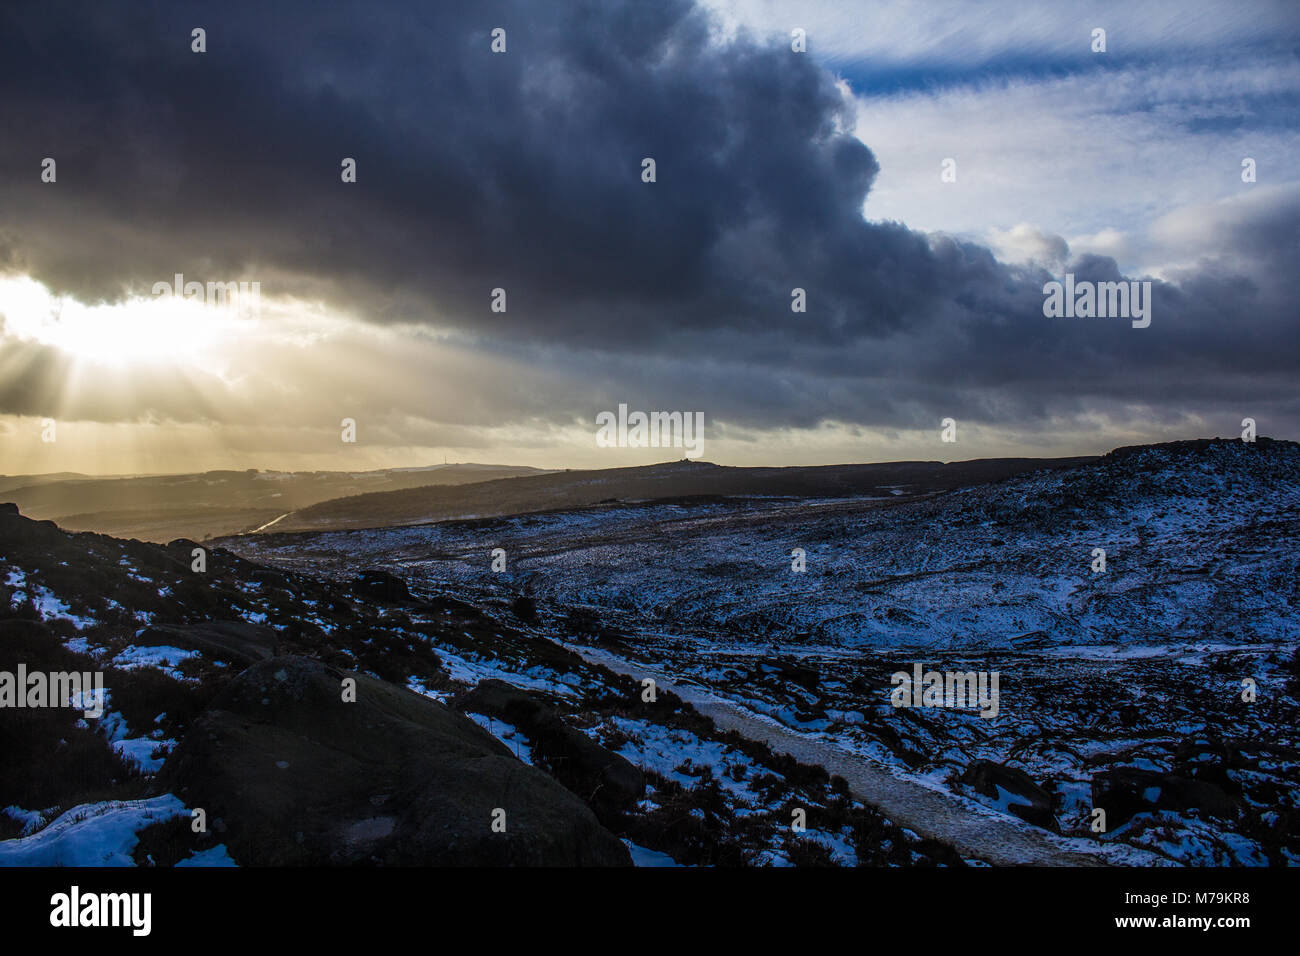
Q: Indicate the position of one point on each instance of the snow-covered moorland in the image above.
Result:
(1140, 612)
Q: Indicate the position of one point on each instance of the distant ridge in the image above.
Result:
(680, 479)
(212, 503)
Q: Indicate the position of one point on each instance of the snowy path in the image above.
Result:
(971, 829)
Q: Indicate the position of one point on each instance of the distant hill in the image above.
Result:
(581, 489)
(212, 503)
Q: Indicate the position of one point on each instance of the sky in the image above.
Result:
(921, 170)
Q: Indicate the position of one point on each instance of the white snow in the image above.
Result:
(643, 857)
(216, 856)
(30, 819)
(508, 734)
(163, 658)
(137, 750)
(94, 834)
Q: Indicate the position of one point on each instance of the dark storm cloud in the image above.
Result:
(523, 171)
(476, 170)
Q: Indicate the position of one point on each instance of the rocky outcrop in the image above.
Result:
(236, 641)
(289, 772)
(1125, 792)
(1021, 794)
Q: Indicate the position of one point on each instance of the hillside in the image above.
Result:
(1121, 688)
(682, 479)
(208, 504)
(1163, 690)
(224, 695)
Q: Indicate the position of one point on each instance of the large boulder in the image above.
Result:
(1013, 789)
(288, 772)
(606, 780)
(1125, 792)
(237, 641)
(496, 698)
(23, 535)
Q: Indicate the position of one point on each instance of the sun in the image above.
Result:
(137, 331)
